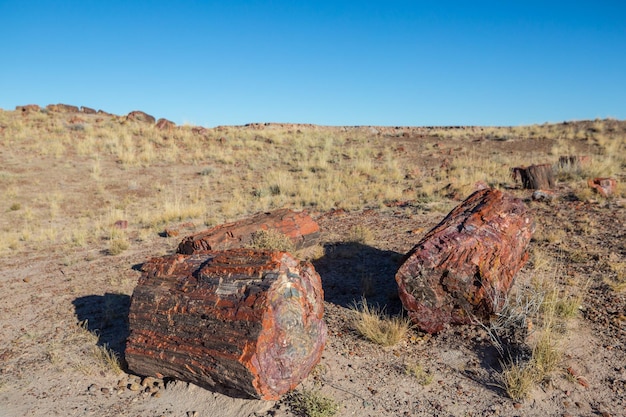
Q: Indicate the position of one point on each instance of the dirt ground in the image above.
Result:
(47, 366)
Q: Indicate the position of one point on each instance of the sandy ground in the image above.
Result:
(52, 295)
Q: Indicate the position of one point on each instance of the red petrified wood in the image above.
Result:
(298, 226)
(239, 321)
(463, 268)
(603, 186)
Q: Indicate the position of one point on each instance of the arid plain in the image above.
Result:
(87, 196)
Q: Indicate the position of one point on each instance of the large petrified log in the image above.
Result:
(297, 226)
(245, 322)
(535, 177)
(463, 268)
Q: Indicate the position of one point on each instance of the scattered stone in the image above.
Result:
(134, 386)
(26, 279)
(62, 108)
(148, 381)
(171, 232)
(243, 320)
(140, 116)
(87, 110)
(164, 124)
(603, 186)
(545, 196)
(105, 390)
(92, 388)
(156, 394)
(464, 267)
(121, 224)
(29, 108)
(299, 227)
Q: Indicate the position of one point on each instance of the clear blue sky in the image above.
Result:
(326, 62)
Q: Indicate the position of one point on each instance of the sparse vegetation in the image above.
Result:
(417, 371)
(271, 239)
(374, 325)
(311, 403)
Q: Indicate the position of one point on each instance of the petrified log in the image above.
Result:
(297, 226)
(535, 177)
(572, 162)
(244, 322)
(603, 186)
(463, 268)
(164, 124)
(140, 116)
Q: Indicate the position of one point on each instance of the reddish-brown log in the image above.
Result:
(245, 322)
(535, 177)
(603, 186)
(463, 268)
(297, 226)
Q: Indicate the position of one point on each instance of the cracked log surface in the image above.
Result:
(244, 322)
(464, 267)
(298, 226)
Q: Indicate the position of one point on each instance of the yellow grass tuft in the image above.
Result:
(374, 325)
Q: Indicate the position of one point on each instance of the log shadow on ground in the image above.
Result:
(107, 317)
(351, 271)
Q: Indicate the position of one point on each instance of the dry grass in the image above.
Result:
(375, 326)
(311, 403)
(529, 330)
(418, 372)
(238, 171)
(271, 239)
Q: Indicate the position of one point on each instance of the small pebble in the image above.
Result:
(26, 279)
(156, 394)
(517, 406)
(92, 388)
(134, 386)
(105, 390)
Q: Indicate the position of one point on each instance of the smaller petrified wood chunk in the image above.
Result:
(464, 267)
(244, 322)
(535, 177)
(297, 226)
(603, 186)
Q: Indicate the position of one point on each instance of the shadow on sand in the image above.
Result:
(107, 316)
(351, 271)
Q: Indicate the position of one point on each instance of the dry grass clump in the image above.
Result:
(312, 403)
(79, 350)
(528, 331)
(271, 239)
(360, 234)
(417, 371)
(375, 326)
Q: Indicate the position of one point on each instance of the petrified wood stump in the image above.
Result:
(299, 227)
(463, 268)
(245, 322)
(535, 177)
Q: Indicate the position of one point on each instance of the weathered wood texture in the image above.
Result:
(463, 268)
(245, 322)
(603, 186)
(298, 226)
(535, 177)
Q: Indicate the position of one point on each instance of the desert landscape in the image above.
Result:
(88, 197)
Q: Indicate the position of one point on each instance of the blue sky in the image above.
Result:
(326, 62)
